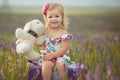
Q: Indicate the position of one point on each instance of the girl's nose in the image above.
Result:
(53, 18)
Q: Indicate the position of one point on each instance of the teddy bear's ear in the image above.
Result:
(27, 27)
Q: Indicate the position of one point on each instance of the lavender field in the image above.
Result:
(96, 44)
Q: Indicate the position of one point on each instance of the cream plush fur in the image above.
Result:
(26, 41)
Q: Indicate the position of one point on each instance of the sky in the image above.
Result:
(75, 3)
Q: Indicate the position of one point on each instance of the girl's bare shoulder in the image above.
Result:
(62, 32)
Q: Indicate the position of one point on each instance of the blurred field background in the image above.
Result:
(81, 20)
(96, 41)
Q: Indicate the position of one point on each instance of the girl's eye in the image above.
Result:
(56, 16)
(50, 17)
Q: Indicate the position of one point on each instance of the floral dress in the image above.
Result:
(52, 44)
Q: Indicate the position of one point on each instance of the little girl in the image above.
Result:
(56, 40)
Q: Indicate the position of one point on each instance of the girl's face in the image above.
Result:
(54, 18)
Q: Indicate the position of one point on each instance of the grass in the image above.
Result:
(12, 66)
(102, 60)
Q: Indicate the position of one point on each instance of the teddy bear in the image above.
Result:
(32, 34)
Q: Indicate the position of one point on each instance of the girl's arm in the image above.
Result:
(61, 51)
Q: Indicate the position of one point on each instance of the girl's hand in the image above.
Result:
(48, 57)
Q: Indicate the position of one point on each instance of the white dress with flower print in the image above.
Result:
(52, 44)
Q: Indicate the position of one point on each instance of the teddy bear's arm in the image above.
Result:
(40, 40)
(18, 41)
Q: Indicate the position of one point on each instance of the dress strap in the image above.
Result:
(66, 36)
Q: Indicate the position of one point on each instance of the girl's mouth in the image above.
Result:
(54, 22)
